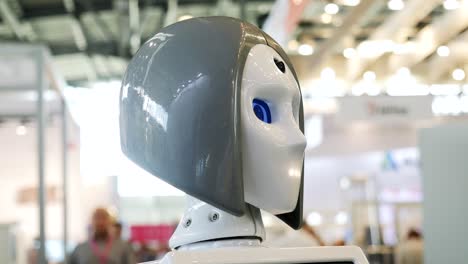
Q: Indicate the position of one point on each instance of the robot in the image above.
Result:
(213, 107)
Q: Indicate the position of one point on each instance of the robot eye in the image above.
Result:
(262, 110)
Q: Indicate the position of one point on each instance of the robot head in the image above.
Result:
(213, 107)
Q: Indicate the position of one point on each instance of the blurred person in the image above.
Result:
(145, 254)
(162, 250)
(33, 252)
(411, 250)
(117, 230)
(117, 233)
(339, 243)
(102, 247)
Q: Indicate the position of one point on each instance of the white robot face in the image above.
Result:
(272, 142)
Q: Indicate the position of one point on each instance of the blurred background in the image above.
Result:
(385, 99)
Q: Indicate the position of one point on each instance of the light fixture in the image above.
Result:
(349, 53)
(328, 89)
(21, 130)
(443, 51)
(445, 89)
(351, 2)
(293, 44)
(341, 218)
(451, 4)
(404, 48)
(403, 71)
(184, 17)
(314, 219)
(356, 90)
(458, 74)
(326, 18)
(369, 76)
(374, 48)
(403, 88)
(332, 9)
(395, 5)
(305, 49)
(327, 74)
(373, 90)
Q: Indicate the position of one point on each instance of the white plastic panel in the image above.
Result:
(254, 255)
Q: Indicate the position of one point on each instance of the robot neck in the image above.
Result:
(204, 226)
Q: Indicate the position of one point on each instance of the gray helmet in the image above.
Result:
(180, 109)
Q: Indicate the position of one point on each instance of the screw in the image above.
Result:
(187, 223)
(214, 217)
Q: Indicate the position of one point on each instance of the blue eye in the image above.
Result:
(262, 110)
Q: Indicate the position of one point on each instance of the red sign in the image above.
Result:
(150, 233)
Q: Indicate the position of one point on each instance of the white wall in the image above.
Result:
(444, 152)
(18, 170)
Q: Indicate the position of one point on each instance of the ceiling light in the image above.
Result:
(314, 219)
(373, 90)
(395, 5)
(305, 49)
(351, 2)
(293, 44)
(445, 89)
(369, 76)
(451, 4)
(458, 74)
(341, 218)
(184, 17)
(349, 53)
(326, 18)
(332, 9)
(328, 74)
(374, 48)
(403, 71)
(403, 88)
(443, 51)
(404, 48)
(21, 130)
(357, 90)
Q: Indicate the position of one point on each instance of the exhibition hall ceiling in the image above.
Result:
(92, 40)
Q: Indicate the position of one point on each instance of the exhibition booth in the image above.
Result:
(350, 118)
